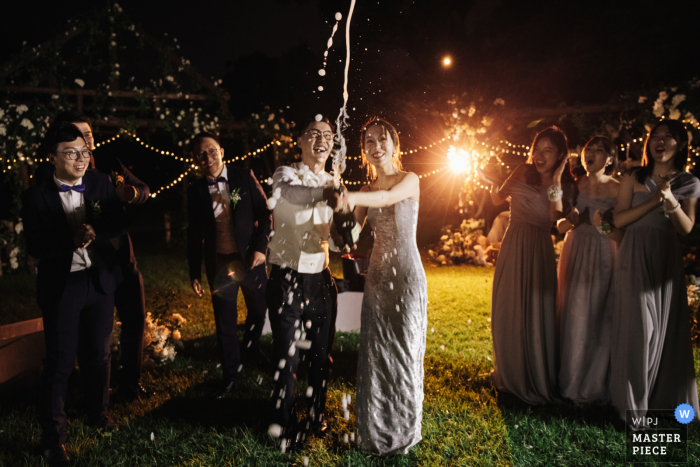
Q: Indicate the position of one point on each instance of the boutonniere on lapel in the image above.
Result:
(96, 209)
(235, 196)
(117, 179)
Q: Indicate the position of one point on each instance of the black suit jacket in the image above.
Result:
(108, 165)
(49, 237)
(252, 221)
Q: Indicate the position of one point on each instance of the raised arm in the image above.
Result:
(141, 190)
(286, 179)
(624, 213)
(360, 212)
(556, 207)
(408, 187)
(500, 194)
(681, 213)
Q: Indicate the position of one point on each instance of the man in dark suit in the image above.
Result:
(70, 221)
(129, 298)
(229, 224)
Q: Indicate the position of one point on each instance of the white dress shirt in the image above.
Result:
(73, 204)
(302, 219)
(221, 202)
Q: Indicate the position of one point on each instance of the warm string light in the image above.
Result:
(425, 175)
(411, 151)
(172, 154)
(253, 153)
(174, 182)
(143, 143)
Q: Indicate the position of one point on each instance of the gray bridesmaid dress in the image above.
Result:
(584, 302)
(524, 299)
(389, 404)
(652, 356)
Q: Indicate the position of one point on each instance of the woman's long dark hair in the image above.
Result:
(534, 178)
(680, 134)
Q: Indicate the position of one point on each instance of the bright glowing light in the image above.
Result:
(447, 61)
(459, 160)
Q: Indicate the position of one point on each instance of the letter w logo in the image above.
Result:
(684, 413)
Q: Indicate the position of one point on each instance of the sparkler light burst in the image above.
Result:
(460, 160)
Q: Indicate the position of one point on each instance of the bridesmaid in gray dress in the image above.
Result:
(652, 357)
(525, 282)
(389, 407)
(584, 298)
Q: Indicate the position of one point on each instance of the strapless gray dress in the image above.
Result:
(523, 302)
(652, 355)
(389, 404)
(584, 306)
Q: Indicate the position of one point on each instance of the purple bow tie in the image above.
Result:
(79, 188)
(217, 180)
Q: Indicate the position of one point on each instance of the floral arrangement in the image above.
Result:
(465, 245)
(161, 338)
(12, 244)
(693, 284)
(272, 125)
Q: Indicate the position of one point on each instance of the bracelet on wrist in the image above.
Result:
(554, 193)
(673, 209)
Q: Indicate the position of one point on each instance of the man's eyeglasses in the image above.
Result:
(213, 152)
(73, 155)
(315, 134)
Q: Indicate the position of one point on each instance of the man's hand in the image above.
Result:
(197, 287)
(335, 200)
(258, 259)
(126, 193)
(83, 236)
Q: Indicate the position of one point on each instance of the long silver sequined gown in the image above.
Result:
(652, 356)
(523, 302)
(389, 406)
(584, 306)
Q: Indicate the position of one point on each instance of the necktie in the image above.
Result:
(217, 180)
(79, 188)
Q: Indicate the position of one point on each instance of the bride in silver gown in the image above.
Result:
(389, 407)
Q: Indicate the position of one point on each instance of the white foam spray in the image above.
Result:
(339, 146)
(322, 71)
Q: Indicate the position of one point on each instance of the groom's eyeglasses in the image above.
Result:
(315, 134)
(213, 152)
(73, 155)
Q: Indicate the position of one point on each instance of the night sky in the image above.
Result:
(269, 51)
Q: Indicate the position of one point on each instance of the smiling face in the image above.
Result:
(70, 171)
(545, 156)
(209, 156)
(596, 158)
(662, 144)
(378, 146)
(87, 134)
(315, 148)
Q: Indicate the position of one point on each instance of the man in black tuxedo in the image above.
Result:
(129, 298)
(229, 224)
(70, 221)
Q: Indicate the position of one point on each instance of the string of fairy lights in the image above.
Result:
(503, 147)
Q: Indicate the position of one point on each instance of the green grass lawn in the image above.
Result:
(465, 421)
